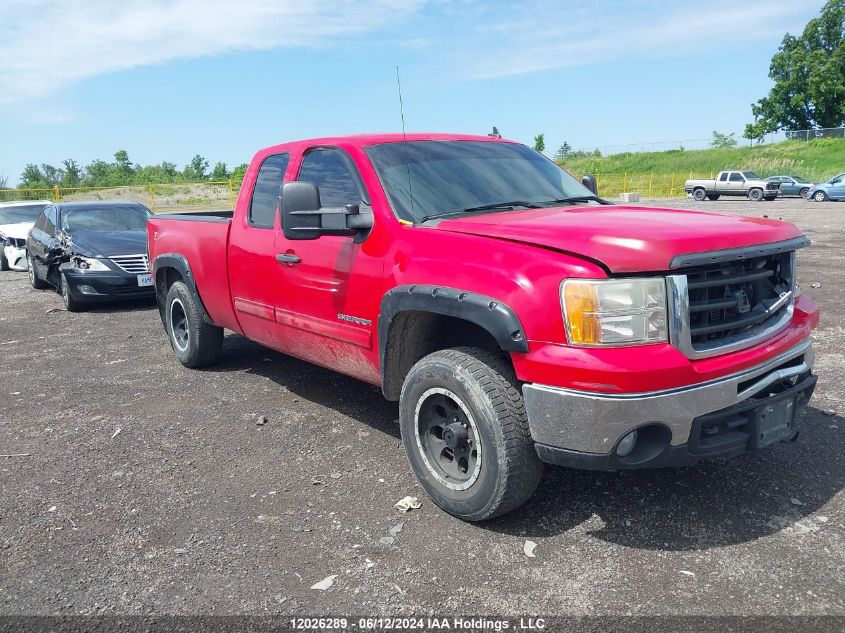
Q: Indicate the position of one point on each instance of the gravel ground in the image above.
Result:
(147, 488)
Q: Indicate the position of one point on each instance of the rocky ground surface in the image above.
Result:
(131, 485)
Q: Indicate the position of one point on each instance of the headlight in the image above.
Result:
(87, 263)
(614, 311)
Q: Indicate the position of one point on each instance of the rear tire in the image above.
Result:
(466, 434)
(755, 195)
(195, 341)
(34, 280)
(713, 196)
(698, 195)
(820, 196)
(71, 304)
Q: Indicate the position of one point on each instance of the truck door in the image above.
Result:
(326, 312)
(254, 275)
(722, 182)
(736, 183)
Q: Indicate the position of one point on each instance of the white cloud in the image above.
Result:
(46, 45)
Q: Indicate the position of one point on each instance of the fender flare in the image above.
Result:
(494, 316)
(180, 264)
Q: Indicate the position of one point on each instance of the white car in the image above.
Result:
(16, 220)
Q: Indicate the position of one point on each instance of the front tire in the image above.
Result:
(71, 304)
(34, 280)
(699, 195)
(755, 195)
(820, 196)
(803, 192)
(466, 434)
(195, 341)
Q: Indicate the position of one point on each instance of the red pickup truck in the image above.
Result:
(517, 317)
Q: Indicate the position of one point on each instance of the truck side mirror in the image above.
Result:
(303, 217)
(589, 181)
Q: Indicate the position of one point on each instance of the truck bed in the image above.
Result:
(202, 240)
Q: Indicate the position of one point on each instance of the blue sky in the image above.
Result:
(166, 79)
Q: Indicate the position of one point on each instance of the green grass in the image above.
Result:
(816, 160)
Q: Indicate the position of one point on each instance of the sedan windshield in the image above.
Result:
(750, 175)
(20, 213)
(425, 179)
(123, 217)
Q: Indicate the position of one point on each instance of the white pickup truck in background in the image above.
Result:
(733, 183)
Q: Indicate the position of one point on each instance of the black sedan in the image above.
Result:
(91, 252)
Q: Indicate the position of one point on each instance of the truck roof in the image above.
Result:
(364, 140)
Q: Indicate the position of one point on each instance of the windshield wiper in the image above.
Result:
(578, 199)
(486, 207)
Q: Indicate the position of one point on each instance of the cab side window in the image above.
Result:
(265, 196)
(333, 174)
(737, 177)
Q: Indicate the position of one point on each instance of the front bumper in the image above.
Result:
(719, 418)
(16, 257)
(97, 286)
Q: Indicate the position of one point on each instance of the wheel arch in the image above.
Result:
(416, 320)
(169, 268)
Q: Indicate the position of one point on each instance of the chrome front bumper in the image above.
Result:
(594, 423)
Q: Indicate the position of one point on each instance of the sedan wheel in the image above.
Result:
(804, 191)
(34, 280)
(820, 196)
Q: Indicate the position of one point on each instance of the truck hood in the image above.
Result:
(18, 230)
(624, 239)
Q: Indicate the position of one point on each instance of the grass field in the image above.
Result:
(816, 160)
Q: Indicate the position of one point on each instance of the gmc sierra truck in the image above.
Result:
(515, 316)
(733, 183)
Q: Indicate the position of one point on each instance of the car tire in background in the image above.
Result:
(698, 195)
(71, 304)
(4, 263)
(804, 191)
(755, 194)
(713, 196)
(465, 431)
(34, 280)
(195, 341)
(820, 196)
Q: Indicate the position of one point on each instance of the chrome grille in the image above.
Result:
(718, 308)
(136, 264)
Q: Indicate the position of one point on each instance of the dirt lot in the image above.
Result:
(149, 488)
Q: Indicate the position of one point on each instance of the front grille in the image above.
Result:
(730, 300)
(136, 264)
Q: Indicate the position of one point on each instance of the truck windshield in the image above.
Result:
(425, 179)
(21, 213)
(113, 218)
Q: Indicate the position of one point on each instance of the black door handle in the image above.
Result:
(288, 258)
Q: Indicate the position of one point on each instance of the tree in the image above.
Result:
(73, 173)
(809, 76)
(32, 178)
(238, 174)
(540, 142)
(52, 175)
(563, 152)
(220, 172)
(195, 170)
(723, 141)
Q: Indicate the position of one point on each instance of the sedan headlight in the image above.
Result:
(614, 311)
(87, 263)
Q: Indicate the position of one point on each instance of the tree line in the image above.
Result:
(123, 172)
